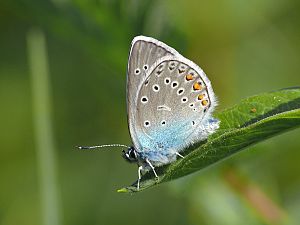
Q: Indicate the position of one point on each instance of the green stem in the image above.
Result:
(41, 102)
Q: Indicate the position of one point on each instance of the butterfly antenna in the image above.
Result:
(102, 146)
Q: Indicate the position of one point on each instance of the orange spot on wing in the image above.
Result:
(200, 97)
(197, 86)
(204, 102)
(189, 77)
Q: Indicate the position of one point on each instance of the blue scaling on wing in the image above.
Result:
(161, 144)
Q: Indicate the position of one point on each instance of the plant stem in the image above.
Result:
(41, 102)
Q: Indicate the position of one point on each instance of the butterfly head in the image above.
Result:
(130, 155)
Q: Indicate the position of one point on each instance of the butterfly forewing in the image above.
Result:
(144, 53)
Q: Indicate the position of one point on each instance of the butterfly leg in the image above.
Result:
(139, 176)
(152, 167)
(179, 155)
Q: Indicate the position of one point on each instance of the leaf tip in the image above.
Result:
(123, 190)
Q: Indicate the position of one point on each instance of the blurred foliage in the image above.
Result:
(245, 48)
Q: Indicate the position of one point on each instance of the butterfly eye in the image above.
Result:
(132, 154)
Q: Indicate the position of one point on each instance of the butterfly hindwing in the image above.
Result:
(174, 103)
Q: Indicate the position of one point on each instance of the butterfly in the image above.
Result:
(170, 102)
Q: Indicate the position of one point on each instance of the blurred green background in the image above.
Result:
(62, 84)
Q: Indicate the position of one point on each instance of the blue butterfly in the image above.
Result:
(170, 102)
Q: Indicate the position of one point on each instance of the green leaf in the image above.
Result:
(251, 121)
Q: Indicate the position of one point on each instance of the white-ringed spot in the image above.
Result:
(144, 99)
(184, 99)
(167, 80)
(180, 91)
(155, 88)
(147, 123)
(137, 71)
(174, 84)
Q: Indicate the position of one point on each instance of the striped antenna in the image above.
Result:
(102, 146)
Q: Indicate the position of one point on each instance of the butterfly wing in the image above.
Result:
(170, 101)
(144, 52)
